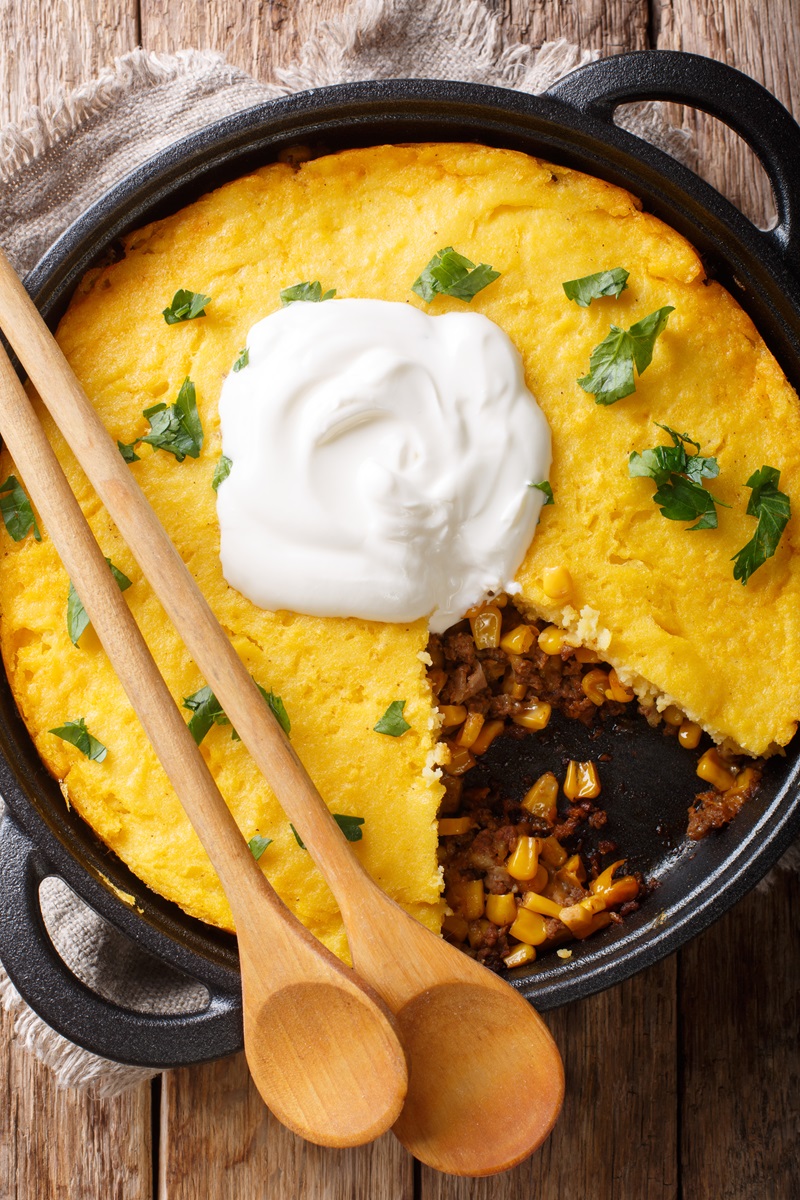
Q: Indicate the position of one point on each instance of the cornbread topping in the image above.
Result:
(381, 462)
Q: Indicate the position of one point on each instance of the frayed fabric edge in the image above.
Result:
(63, 113)
(72, 1066)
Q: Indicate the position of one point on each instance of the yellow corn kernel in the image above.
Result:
(534, 716)
(437, 678)
(578, 917)
(582, 781)
(574, 867)
(451, 800)
(501, 600)
(713, 770)
(456, 926)
(460, 760)
(551, 640)
(486, 626)
(540, 879)
(501, 910)
(453, 714)
(486, 736)
(470, 730)
(524, 862)
(614, 891)
(512, 688)
(585, 655)
(453, 826)
(477, 933)
(520, 956)
(594, 685)
(618, 691)
(746, 779)
(552, 852)
(541, 798)
(689, 735)
(556, 582)
(517, 641)
(673, 715)
(597, 923)
(529, 927)
(540, 904)
(467, 898)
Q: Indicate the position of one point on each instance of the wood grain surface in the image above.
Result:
(681, 1083)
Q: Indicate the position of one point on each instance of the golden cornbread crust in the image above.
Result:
(659, 603)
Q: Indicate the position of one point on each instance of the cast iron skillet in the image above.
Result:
(572, 124)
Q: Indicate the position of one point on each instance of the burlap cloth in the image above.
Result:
(59, 158)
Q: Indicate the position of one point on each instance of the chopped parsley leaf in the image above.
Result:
(591, 287)
(393, 722)
(451, 274)
(76, 733)
(243, 360)
(186, 306)
(221, 471)
(773, 510)
(176, 428)
(611, 374)
(678, 476)
(18, 515)
(548, 492)
(258, 845)
(208, 711)
(306, 291)
(77, 616)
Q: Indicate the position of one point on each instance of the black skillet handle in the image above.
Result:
(72, 1009)
(748, 108)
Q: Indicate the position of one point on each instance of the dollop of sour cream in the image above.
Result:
(381, 462)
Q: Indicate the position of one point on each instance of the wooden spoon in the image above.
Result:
(486, 1079)
(320, 1044)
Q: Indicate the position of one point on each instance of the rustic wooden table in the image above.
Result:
(682, 1082)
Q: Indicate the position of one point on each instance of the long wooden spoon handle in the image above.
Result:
(174, 586)
(119, 633)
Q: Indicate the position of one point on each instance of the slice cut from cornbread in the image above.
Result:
(659, 603)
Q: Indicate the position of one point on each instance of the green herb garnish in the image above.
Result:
(186, 306)
(306, 291)
(77, 616)
(76, 733)
(548, 492)
(393, 722)
(243, 360)
(773, 509)
(18, 515)
(208, 711)
(221, 471)
(679, 476)
(611, 362)
(176, 428)
(258, 845)
(451, 274)
(591, 287)
(350, 827)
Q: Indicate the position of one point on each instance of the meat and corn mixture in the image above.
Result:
(518, 877)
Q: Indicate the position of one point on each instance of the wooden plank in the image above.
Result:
(256, 37)
(45, 46)
(763, 40)
(609, 26)
(740, 1015)
(215, 1127)
(617, 1135)
(68, 1145)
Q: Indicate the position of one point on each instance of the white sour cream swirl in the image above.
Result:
(381, 462)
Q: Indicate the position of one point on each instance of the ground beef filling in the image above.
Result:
(517, 878)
